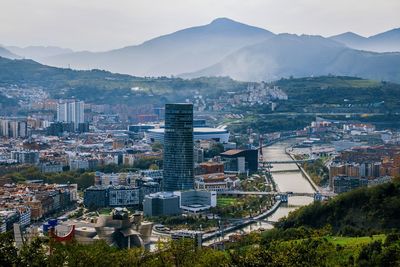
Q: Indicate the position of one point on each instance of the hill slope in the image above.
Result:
(97, 86)
(182, 51)
(7, 53)
(366, 209)
(291, 55)
(38, 52)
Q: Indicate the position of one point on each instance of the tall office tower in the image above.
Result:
(178, 147)
(71, 111)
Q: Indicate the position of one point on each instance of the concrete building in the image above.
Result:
(216, 182)
(14, 127)
(50, 168)
(24, 216)
(343, 184)
(100, 196)
(178, 147)
(71, 111)
(25, 157)
(240, 161)
(123, 178)
(160, 204)
(123, 196)
(96, 197)
(196, 200)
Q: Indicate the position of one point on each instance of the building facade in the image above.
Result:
(13, 128)
(178, 147)
(71, 111)
(160, 204)
(240, 161)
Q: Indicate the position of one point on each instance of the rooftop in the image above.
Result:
(196, 130)
(232, 152)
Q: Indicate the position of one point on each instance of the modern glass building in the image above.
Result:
(178, 147)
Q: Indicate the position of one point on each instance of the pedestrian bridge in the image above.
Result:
(283, 196)
(288, 161)
(262, 193)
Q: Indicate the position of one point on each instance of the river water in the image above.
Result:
(287, 177)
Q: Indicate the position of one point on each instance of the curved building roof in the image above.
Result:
(196, 130)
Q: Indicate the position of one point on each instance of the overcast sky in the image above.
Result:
(107, 24)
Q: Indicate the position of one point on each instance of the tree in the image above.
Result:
(34, 254)
(8, 252)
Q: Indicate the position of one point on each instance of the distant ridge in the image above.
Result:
(8, 54)
(38, 52)
(288, 55)
(230, 48)
(388, 41)
(186, 50)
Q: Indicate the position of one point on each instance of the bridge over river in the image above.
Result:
(282, 195)
(287, 161)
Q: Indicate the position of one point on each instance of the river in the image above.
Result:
(292, 180)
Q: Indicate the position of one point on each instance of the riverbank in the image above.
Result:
(246, 222)
(312, 183)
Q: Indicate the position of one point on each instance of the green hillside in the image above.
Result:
(100, 86)
(360, 212)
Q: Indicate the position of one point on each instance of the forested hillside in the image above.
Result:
(360, 212)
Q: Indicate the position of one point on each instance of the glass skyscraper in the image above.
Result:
(178, 147)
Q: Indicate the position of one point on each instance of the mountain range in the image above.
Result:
(38, 52)
(229, 48)
(8, 54)
(388, 41)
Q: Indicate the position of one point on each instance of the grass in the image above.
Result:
(226, 201)
(105, 211)
(354, 241)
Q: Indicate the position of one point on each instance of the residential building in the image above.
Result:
(343, 184)
(71, 111)
(14, 127)
(25, 157)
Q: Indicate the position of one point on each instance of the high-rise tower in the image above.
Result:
(71, 111)
(178, 147)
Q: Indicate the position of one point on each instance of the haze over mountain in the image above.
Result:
(38, 52)
(388, 41)
(8, 54)
(182, 51)
(287, 55)
(229, 48)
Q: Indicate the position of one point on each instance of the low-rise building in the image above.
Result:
(216, 182)
(343, 184)
(25, 157)
(240, 160)
(100, 196)
(196, 200)
(160, 204)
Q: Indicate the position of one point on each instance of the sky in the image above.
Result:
(99, 25)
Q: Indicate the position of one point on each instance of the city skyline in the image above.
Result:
(102, 25)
